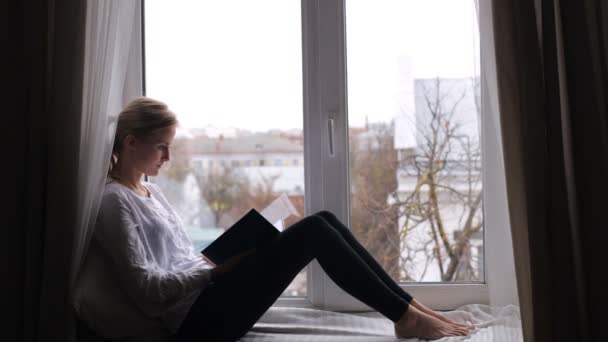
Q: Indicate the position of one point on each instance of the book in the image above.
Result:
(249, 232)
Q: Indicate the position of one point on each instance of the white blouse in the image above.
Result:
(155, 261)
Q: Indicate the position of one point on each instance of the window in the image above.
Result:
(387, 128)
(232, 100)
(198, 165)
(390, 90)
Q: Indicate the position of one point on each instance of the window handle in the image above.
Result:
(331, 125)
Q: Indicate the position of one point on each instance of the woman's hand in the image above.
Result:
(229, 264)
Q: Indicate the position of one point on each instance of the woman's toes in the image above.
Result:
(467, 327)
(461, 325)
(460, 332)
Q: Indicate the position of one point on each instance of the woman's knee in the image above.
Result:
(315, 226)
(327, 215)
(314, 221)
(333, 221)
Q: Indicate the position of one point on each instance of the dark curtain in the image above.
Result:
(552, 79)
(43, 43)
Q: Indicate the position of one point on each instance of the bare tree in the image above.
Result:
(222, 188)
(257, 195)
(373, 166)
(446, 170)
(430, 223)
(262, 193)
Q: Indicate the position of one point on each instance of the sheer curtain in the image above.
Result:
(500, 270)
(112, 77)
(94, 67)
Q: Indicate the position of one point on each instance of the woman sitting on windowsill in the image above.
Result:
(159, 269)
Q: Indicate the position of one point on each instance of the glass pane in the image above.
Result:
(232, 72)
(414, 118)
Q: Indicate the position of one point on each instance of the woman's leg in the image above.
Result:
(364, 254)
(373, 264)
(230, 306)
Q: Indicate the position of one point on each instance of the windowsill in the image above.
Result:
(438, 296)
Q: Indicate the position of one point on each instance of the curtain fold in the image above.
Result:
(111, 50)
(26, 69)
(519, 81)
(93, 68)
(552, 81)
(500, 270)
(583, 70)
(63, 103)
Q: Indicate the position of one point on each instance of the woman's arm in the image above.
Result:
(229, 264)
(151, 287)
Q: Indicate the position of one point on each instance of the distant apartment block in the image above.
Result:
(258, 155)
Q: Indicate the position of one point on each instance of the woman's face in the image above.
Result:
(153, 151)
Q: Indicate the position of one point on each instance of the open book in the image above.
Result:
(251, 231)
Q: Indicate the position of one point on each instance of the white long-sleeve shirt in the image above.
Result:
(155, 261)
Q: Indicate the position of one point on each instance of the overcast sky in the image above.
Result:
(238, 63)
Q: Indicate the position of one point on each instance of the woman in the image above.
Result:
(166, 278)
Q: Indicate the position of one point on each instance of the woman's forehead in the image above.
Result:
(165, 134)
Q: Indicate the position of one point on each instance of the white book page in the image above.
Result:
(277, 211)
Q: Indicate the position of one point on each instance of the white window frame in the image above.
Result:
(327, 181)
(326, 164)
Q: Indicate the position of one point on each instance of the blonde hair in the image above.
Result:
(141, 118)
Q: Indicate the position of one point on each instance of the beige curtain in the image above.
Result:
(553, 79)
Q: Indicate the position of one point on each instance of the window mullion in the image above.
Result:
(325, 122)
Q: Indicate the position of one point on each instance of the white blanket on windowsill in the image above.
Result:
(281, 324)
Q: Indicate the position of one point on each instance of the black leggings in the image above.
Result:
(231, 305)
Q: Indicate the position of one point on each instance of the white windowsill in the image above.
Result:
(439, 296)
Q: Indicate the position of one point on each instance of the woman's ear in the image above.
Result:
(130, 142)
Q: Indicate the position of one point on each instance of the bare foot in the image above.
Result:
(439, 316)
(415, 323)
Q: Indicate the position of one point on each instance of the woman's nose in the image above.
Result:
(167, 155)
